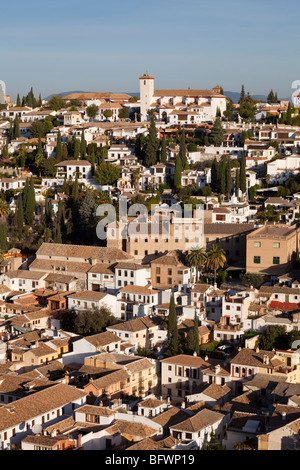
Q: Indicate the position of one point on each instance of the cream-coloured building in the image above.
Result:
(271, 249)
(180, 105)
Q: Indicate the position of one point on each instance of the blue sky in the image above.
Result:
(97, 45)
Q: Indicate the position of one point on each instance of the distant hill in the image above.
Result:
(234, 96)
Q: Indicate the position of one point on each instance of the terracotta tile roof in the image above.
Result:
(187, 360)
(249, 357)
(82, 251)
(171, 416)
(89, 295)
(227, 229)
(139, 366)
(96, 410)
(187, 92)
(102, 339)
(138, 324)
(112, 377)
(30, 407)
(145, 290)
(150, 403)
(126, 428)
(200, 420)
(150, 444)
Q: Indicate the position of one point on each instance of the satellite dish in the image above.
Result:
(36, 429)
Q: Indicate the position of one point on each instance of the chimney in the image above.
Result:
(266, 359)
(183, 405)
(283, 415)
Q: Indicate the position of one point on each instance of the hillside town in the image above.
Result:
(149, 271)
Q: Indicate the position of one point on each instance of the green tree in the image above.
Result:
(56, 102)
(163, 152)
(242, 95)
(107, 113)
(58, 147)
(19, 215)
(289, 115)
(92, 111)
(37, 129)
(82, 146)
(217, 133)
(123, 113)
(18, 103)
(182, 150)
(107, 173)
(243, 180)
(3, 238)
(16, 127)
(172, 317)
(29, 201)
(178, 171)
(228, 177)
(87, 210)
(76, 148)
(193, 337)
(271, 97)
(93, 321)
(215, 259)
(152, 142)
(196, 258)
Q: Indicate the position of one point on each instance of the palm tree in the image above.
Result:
(4, 209)
(136, 178)
(197, 258)
(215, 259)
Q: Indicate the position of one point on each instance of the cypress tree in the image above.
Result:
(223, 176)
(11, 132)
(172, 318)
(18, 103)
(75, 190)
(193, 336)
(16, 127)
(237, 181)
(82, 146)
(215, 180)
(58, 237)
(58, 147)
(3, 238)
(228, 177)
(163, 153)
(76, 149)
(5, 150)
(178, 171)
(151, 144)
(30, 203)
(243, 184)
(289, 115)
(48, 213)
(182, 150)
(19, 215)
(242, 96)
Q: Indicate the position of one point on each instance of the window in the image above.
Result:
(276, 245)
(158, 279)
(276, 259)
(170, 271)
(257, 259)
(157, 270)
(257, 244)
